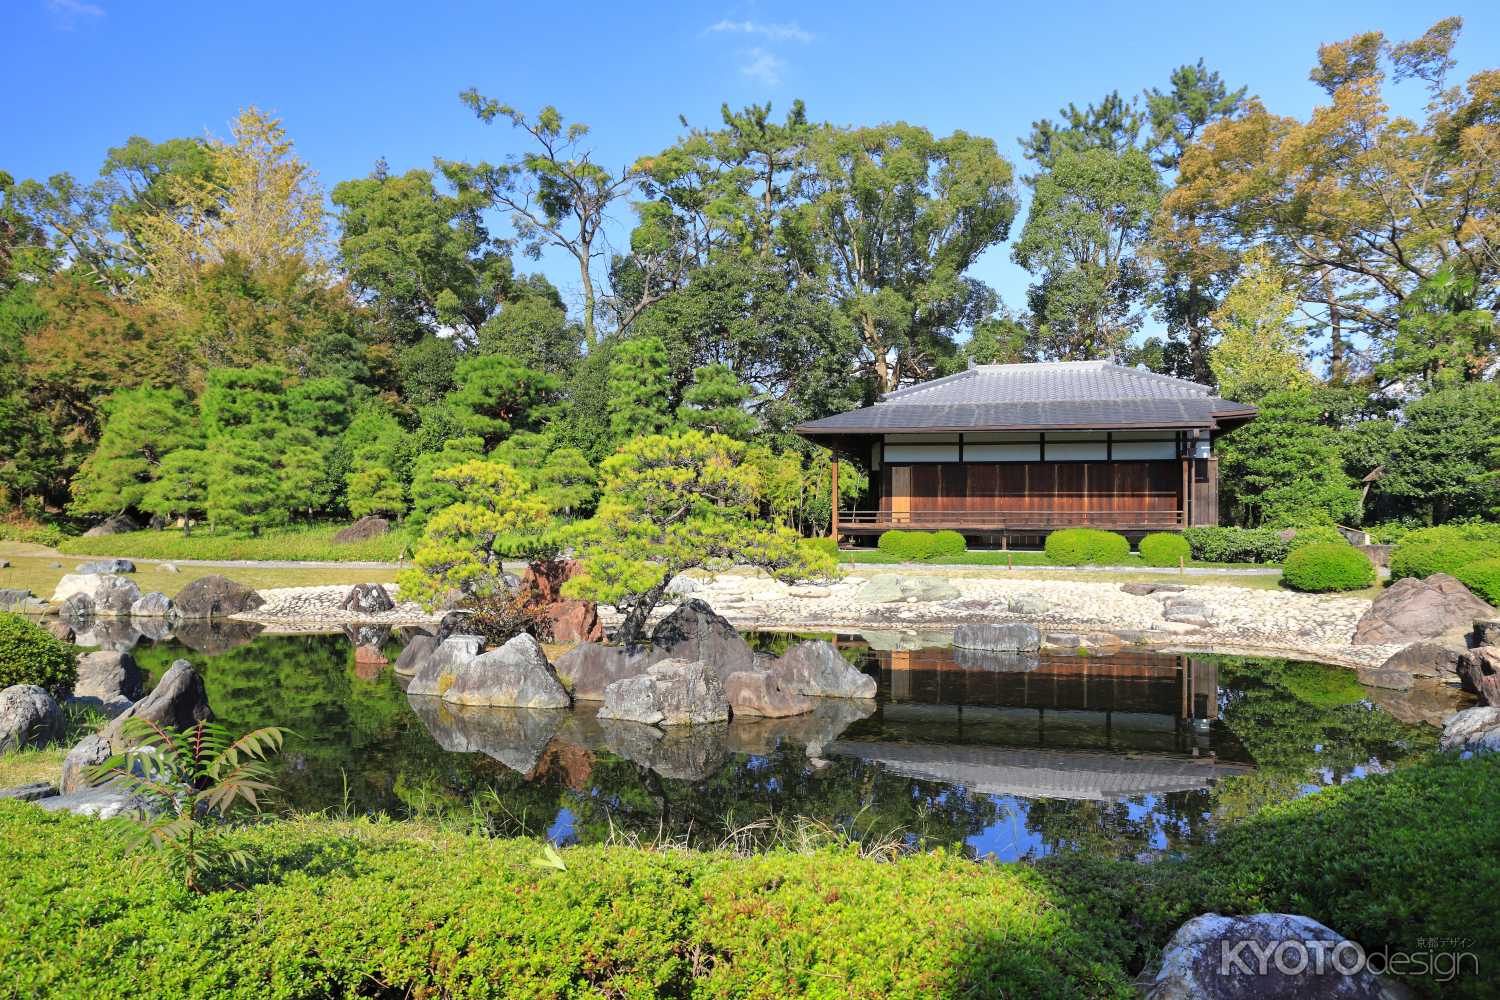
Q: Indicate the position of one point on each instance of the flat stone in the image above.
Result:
(107, 566)
(29, 793)
(816, 669)
(1426, 659)
(755, 692)
(1385, 677)
(892, 589)
(517, 675)
(106, 801)
(168, 567)
(1147, 589)
(1030, 604)
(1010, 638)
(1475, 730)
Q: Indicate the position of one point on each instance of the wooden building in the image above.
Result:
(1008, 452)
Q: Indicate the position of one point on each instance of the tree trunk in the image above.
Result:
(634, 625)
(587, 280)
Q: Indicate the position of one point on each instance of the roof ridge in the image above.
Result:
(945, 380)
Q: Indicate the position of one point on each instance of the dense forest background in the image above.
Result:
(207, 330)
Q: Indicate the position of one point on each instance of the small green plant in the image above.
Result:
(29, 654)
(1087, 547)
(1482, 577)
(192, 782)
(1165, 549)
(827, 546)
(1322, 568)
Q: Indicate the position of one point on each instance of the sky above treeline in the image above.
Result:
(355, 83)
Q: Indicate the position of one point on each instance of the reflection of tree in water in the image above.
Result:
(1173, 821)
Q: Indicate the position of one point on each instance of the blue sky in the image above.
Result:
(356, 82)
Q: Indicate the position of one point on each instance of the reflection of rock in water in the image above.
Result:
(117, 634)
(1005, 663)
(516, 737)
(155, 629)
(1424, 702)
(893, 641)
(368, 635)
(688, 753)
(215, 635)
(824, 724)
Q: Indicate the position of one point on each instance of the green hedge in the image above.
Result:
(1236, 545)
(1087, 546)
(922, 546)
(1321, 568)
(29, 654)
(1320, 535)
(1444, 549)
(1482, 577)
(1164, 549)
(344, 908)
(31, 532)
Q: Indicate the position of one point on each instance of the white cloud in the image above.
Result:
(792, 32)
(763, 67)
(67, 13)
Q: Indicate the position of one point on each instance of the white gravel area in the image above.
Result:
(308, 605)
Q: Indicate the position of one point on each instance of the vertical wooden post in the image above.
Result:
(833, 531)
(1187, 485)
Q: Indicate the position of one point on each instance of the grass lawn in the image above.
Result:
(1016, 557)
(297, 543)
(25, 767)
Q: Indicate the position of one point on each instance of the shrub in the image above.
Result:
(29, 654)
(1320, 568)
(1164, 549)
(825, 546)
(1444, 549)
(1087, 546)
(1321, 534)
(946, 545)
(1482, 577)
(1236, 545)
(908, 546)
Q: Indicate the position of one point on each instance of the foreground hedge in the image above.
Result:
(1323, 568)
(29, 654)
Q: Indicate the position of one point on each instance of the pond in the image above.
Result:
(1119, 755)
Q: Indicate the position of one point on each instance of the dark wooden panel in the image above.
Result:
(954, 485)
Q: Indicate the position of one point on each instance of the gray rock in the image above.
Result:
(516, 737)
(891, 589)
(632, 699)
(1475, 730)
(1479, 672)
(363, 530)
(29, 717)
(90, 752)
(682, 585)
(417, 649)
(21, 602)
(107, 566)
(694, 632)
(1147, 589)
(439, 668)
(367, 599)
(168, 568)
(1412, 609)
(216, 597)
(590, 667)
(29, 793)
(1486, 632)
(1190, 612)
(1425, 659)
(1385, 677)
(115, 596)
(177, 702)
(4, 564)
(108, 680)
(517, 675)
(1030, 604)
(670, 693)
(106, 801)
(1194, 964)
(1011, 638)
(816, 669)
(755, 692)
(116, 524)
(152, 605)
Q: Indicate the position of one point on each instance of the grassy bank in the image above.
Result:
(300, 543)
(338, 907)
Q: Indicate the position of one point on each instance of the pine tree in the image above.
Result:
(181, 487)
(639, 389)
(243, 494)
(715, 404)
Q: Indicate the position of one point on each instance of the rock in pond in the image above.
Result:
(756, 692)
(670, 693)
(152, 605)
(414, 654)
(1195, 967)
(367, 599)
(216, 597)
(1412, 609)
(816, 669)
(107, 566)
(29, 716)
(362, 530)
(516, 737)
(694, 631)
(107, 594)
(1473, 729)
(439, 666)
(517, 675)
(590, 667)
(1012, 638)
(1426, 659)
(1479, 672)
(108, 680)
(177, 702)
(891, 589)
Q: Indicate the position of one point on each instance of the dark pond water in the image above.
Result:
(1119, 755)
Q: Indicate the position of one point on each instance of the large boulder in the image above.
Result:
(116, 524)
(517, 675)
(216, 597)
(362, 530)
(590, 667)
(1479, 671)
(439, 667)
(107, 566)
(28, 717)
(367, 599)
(891, 589)
(693, 631)
(1012, 638)
(670, 693)
(575, 621)
(1473, 729)
(414, 654)
(108, 680)
(816, 669)
(1264, 956)
(152, 605)
(756, 692)
(107, 594)
(1412, 609)
(177, 702)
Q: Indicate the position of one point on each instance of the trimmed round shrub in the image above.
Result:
(1236, 545)
(1087, 546)
(1482, 577)
(1322, 534)
(1445, 549)
(29, 654)
(1320, 568)
(947, 545)
(908, 546)
(1165, 549)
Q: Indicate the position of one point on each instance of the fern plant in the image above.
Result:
(192, 782)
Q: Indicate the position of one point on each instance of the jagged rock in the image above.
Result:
(29, 717)
(107, 566)
(1487, 632)
(440, 666)
(1012, 638)
(632, 699)
(694, 632)
(1412, 609)
(21, 602)
(1425, 659)
(89, 752)
(177, 702)
(108, 680)
(516, 737)
(117, 524)
(590, 667)
(362, 530)
(152, 605)
(418, 648)
(216, 597)
(575, 621)
(671, 693)
(517, 675)
(1030, 604)
(1475, 730)
(1213, 957)
(367, 599)
(890, 589)
(815, 668)
(755, 692)
(541, 582)
(1479, 671)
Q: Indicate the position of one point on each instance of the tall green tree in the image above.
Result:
(640, 388)
(1285, 467)
(143, 427)
(248, 400)
(243, 492)
(1259, 350)
(497, 395)
(716, 404)
(1443, 459)
(180, 489)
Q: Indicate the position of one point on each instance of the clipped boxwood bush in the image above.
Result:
(29, 654)
(1164, 549)
(947, 545)
(1482, 577)
(1320, 568)
(1444, 549)
(908, 546)
(1087, 546)
(1322, 534)
(1236, 545)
